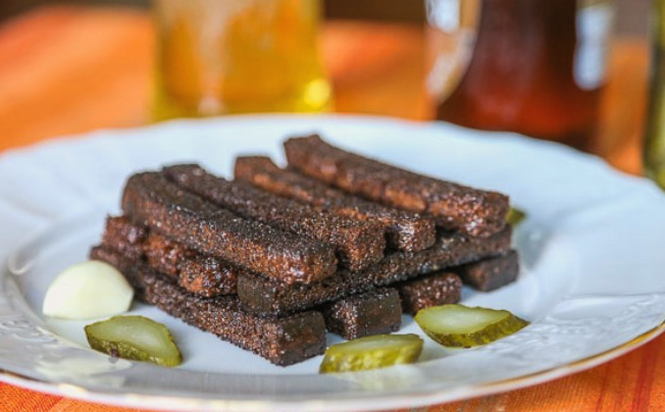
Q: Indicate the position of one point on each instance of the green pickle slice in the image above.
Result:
(372, 352)
(463, 326)
(136, 338)
(515, 216)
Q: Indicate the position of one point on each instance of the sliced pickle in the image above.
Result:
(372, 352)
(462, 326)
(136, 338)
(515, 216)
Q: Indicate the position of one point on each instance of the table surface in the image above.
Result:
(71, 70)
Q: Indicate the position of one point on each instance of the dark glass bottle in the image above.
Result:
(537, 68)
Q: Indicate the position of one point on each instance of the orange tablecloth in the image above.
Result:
(69, 70)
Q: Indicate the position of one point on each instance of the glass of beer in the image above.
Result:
(238, 56)
(535, 67)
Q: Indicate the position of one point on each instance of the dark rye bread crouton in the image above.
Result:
(406, 231)
(263, 295)
(149, 199)
(491, 273)
(208, 276)
(434, 289)
(165, 255)
(125, 237)
(370, 313)
(456, 207)
(358, 244)
(282, 341)
(203, 275)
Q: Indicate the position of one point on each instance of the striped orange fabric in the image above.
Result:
(70, 70)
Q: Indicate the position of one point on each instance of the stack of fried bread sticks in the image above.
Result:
(334, 242)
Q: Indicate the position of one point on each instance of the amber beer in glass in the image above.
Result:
(238, 56)
(536, 67)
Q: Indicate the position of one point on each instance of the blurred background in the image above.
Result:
(632, 12)
(71, 66)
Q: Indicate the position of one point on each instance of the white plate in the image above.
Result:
(591, 250)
